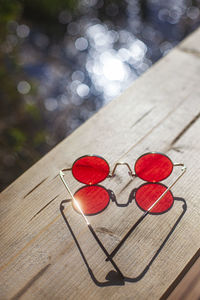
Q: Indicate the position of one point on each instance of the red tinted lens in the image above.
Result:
(148, 193)
(92, 199)
(153, 167)
(90, 169)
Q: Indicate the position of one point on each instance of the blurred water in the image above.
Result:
(99, 52)
(103, 50)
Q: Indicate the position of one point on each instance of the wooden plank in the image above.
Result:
(189, 286)
(39, 257)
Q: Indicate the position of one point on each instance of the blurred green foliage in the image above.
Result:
(32, 110)
(22, 122)
(10, 10)
(18, 138)
(48, 8)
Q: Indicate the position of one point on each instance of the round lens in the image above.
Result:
(148, 193)
(92, 199)
(153, 167)
(90, 169)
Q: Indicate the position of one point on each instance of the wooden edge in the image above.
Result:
(178, 281)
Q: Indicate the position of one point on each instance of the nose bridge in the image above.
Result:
(130, 172)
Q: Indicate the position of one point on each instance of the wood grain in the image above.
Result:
(42, 259)
(189, 282)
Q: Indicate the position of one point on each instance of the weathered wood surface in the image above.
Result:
(189, 287)
(39, 257)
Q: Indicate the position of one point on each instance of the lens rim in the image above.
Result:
(154, 213)
(88, 186)
(90, 155)
(154, 152)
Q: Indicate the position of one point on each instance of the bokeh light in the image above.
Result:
(23, 87)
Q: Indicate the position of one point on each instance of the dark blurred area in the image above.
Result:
(62, 60)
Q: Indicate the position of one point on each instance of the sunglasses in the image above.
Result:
(152, 197)
(151, 167)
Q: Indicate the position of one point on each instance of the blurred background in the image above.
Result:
(62, 60)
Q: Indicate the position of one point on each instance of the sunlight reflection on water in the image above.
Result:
(95, 60)
(71, 67)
